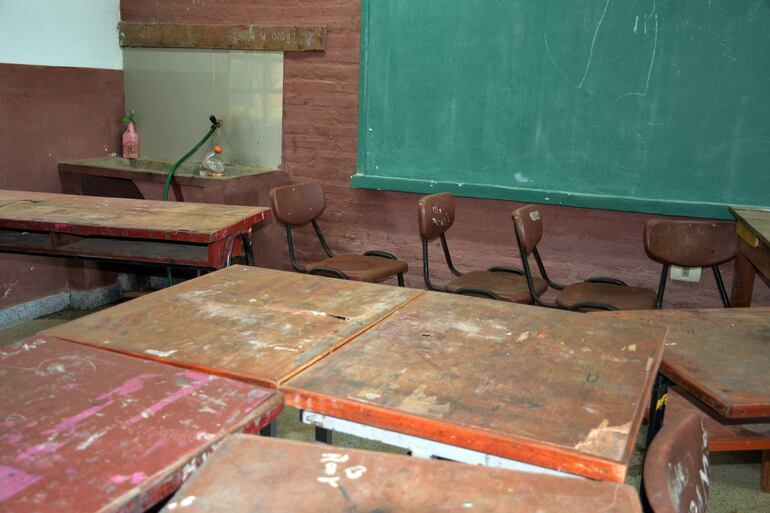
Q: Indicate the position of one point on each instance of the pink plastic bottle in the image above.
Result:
(130, 142)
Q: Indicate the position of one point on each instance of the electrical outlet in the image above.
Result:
(691, 274)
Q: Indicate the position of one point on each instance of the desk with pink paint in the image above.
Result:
(95, 431)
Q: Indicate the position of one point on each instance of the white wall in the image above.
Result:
(174, 91)
(76, 33)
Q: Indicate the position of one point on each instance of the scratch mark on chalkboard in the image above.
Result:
(593, 43)
(636, 25)
(649, 69)
(727, 53)
(553, 61)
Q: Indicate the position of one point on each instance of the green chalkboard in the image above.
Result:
(642, 105)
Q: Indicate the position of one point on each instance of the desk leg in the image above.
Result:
(247, 248)
(270, 430)
(323, 435)
(657, 411)
(743, 279)
(657, 406)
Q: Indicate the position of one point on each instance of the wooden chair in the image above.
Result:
(297, 205)
(597, 293)
(676, 467)
(690, 244)
(436, 214)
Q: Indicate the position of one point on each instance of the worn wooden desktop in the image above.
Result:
(255, 324)
(94, 431)
(281, 476)
(720, 356)
(188, 234)
(753, 229)
(553, 389)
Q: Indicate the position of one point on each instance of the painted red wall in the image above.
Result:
(319, 143)
(49, 114)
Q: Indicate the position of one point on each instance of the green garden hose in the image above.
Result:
(214, 125)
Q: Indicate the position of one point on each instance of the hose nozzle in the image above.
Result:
(215, 122)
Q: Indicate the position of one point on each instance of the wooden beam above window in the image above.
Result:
(223, 37)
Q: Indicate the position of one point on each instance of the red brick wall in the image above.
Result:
(50, 114)
(320, 141)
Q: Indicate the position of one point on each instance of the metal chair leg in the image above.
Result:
(247, 248)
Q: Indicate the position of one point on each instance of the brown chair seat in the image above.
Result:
(508, 286)
(723, 435)
(621, 297)
(528, 224)
(361, 267)
(676, 468)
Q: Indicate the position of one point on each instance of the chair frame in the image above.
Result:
(463, 290)
(330, 271)
(717, 277)
(655, 255)
(593, 305)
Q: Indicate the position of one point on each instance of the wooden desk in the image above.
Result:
(720, 356)
(553, 389)
(753, 229)
(254, 324)
(188, 234)
(280, 476)
(721, 359)
(93, 431)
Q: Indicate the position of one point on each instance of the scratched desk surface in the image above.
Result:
(556, 389)
(94, 431)
(756, 220)
(120, 217)
(255, 324)
(721, 356)
(268, 475)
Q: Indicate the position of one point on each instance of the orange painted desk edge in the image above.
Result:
(735, 411)
(511, 447)
(516, 448)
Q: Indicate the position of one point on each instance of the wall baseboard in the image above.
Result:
(78, 299)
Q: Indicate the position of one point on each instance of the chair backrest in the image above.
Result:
(435, 214)
(676, 467)
(690, 243)
(299, 204)
(529, 227)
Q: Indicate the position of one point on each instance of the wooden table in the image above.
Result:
(753, 229)
(488, 382)
(93, 431)
(280, 476)
(721, 359)
(168, 233)
(720, 356)
(258, 325)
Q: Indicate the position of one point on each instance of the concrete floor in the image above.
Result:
(734, 476)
